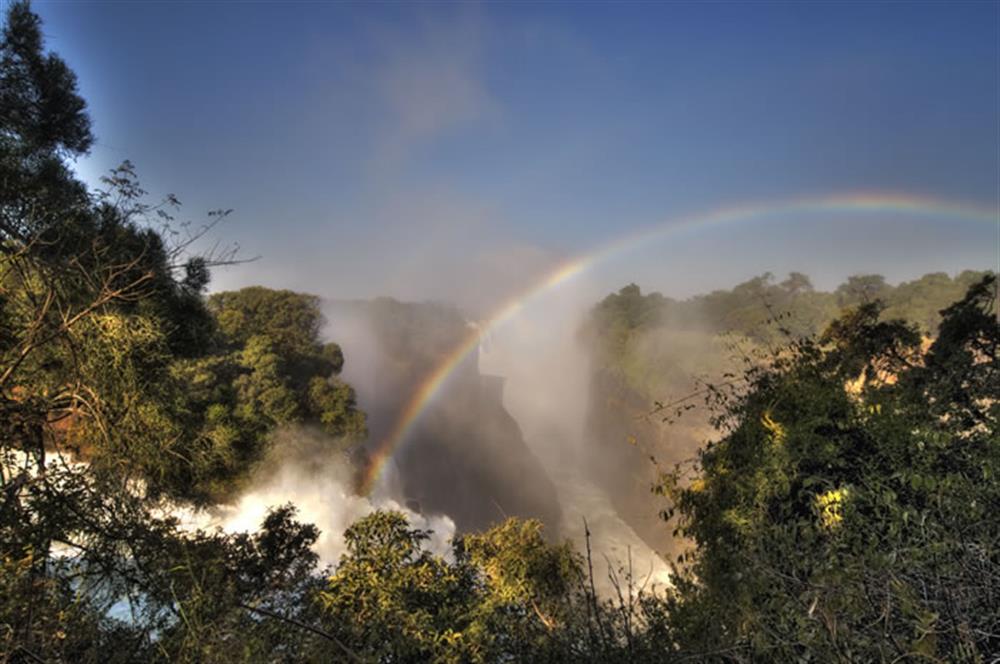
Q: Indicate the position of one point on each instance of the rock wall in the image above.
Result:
(466, 456)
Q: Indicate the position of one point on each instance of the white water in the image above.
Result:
(546, 390)
(320, 493)
(614, 544)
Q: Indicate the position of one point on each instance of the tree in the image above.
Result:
(797, 283)
(43, 120)
(102, 324)
(257, 321)
(861, 289)
(392, 600)
(844, 513)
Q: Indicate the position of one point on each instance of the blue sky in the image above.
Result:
(455, 150)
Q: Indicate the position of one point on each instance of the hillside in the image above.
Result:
(649, 353)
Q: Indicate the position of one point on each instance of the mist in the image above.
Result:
(527, 425)
(409, 260)
(301, 471)
(536, 371)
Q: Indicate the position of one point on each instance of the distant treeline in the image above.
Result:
(656, 341)
(755, 308)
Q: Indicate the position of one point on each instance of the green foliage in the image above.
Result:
(291, 321)
(394, 601)
(260, 375)
(505, 596)
(861, 289)
(43, 120)
(631, 332)
(276, 334)
(840, 519)
(39, 99)
(521, 566)
(119, 396)
(108, 347)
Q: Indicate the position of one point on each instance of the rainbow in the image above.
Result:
(847, 204)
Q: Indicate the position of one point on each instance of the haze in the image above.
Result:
(457, 152)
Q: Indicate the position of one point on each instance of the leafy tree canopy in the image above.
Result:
(846, 514)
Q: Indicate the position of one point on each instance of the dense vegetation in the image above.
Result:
(109, 347)
(122, 390)
(648, 349)
(655, 344)
(848, 513)
(835, 519)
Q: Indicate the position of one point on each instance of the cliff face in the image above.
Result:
(469, 460)
(648, 348)
(466, 456)
(621, 439)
